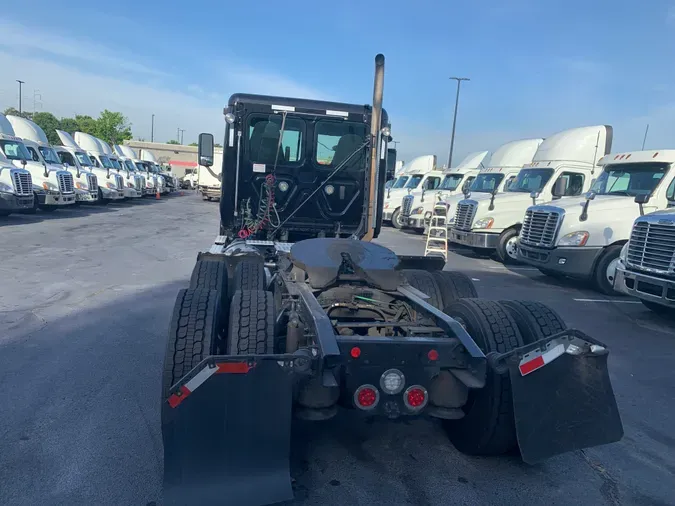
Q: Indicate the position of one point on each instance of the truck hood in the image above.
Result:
(509, 208)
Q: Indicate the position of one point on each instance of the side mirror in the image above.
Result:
(584, 213)
(559, 188)
(641, 200)
(205, 150)
(24, 162)
(534, 196)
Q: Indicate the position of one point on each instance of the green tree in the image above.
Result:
(113, 127)
(11, 111)
(49, 123)
(172, 142)
(68, 125)
(86, 124)
(193, 144)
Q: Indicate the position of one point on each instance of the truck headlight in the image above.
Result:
(484, 223)
(624, 253)
(5, 188)
(386, 205)
(418, 210)
(112, 186)
(49, 186)
(574, 239)
(80, 186)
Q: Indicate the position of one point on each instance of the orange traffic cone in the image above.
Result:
(157, 195)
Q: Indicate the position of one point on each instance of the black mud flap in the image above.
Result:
(563, 398)
(227, 441)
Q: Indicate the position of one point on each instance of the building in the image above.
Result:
(177, 156)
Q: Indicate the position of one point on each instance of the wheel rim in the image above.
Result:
(511, 248)
(399, 220)
(610, 272)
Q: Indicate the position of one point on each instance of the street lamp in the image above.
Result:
(454, 119)
(20, 83)
(152, 129)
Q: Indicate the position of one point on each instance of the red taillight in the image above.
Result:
(415, 398)
(432, 355)
(366, 397)
(355, 352)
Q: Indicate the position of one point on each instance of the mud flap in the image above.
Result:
(564, 404)
(228, 441)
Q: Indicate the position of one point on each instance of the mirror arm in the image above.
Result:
(584, 214)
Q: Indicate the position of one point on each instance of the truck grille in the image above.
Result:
(540, 227)
(92, 182)
(66, 183)
(119, 182)
(23, 184)
(406, 205)
(651, 247)
(139, 182)
(464, 215)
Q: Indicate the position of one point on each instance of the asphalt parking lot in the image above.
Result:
(85, 300)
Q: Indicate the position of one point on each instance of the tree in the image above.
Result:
(113, 127)
(49, 123)
(68, 125)
(85, 124)
(11, 111)
(172, 142)
(193, 144)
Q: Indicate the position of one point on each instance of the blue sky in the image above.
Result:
(536, 67)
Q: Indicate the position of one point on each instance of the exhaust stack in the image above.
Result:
(375, 126)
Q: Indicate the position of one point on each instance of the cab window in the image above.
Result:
(262, 144)
(670, 192)
(468, 182)
(66, 157)
(432, 183)
(33, 154)
(574, 183)
(509, 182)
(336, 141)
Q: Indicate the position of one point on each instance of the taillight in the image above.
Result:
(392, 381)
(415, 397)
(366, 397)
(355, 352)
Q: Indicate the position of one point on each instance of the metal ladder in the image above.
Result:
(437, 234)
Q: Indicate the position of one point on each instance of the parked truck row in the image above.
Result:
(83, 169)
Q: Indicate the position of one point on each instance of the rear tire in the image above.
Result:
(251, 329)
(605, 270)
(249, 275)
(454, 285)
(426, 283)
(535, 320)
(192, 334)
(209, 274)
(487, 427)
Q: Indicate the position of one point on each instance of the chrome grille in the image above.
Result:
(92, 182)
(651, 247)
(119, 182)
(406, 205)
(540, 227)
(464, 215)
(23, 184)
(66, 183)
(138, 181)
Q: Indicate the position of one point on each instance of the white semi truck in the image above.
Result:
(421, 171)
(564, 165)
(172, 183)
(209, 178)
(131, 182)
(110, 184)
(53, 186)
(16, 188)
(154, 181)
(582, 238)
(416, 207)
(645, 268)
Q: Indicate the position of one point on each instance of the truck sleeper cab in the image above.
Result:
(86, 183)
(410, 177)
(425, 182)
(564, 165)
(131, 183)
(582, 238)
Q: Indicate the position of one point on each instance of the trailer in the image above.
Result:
(295, 312)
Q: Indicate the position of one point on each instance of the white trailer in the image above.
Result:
(563, 166)
(209, 178)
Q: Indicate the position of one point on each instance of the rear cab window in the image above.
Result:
(262, 140)
(336, 141)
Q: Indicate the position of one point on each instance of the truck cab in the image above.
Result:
(421, 173)
(16, 187)
(171, 181)
(645, 268)
(582, 237)
(151, 181)
(110, 184)
(416, 207)
(564, 166)
(86, 182)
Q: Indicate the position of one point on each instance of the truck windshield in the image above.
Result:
(414, 181)
(84, 159)
(400, 182)
(129, 165)
(14, 150)
(105, 161)
(141, 167)
(630, 179)
(486, 183)
(451, 182)
(531, 180)
(49, 155)
(116, 165)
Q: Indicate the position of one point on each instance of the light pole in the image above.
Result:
(181, 130)
(20, 83)
(152, 129)
(454, 119)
